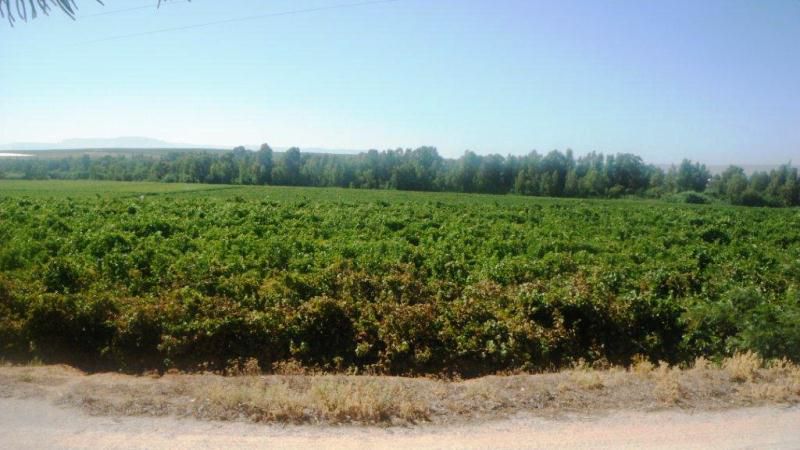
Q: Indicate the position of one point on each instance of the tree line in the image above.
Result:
(555, 174)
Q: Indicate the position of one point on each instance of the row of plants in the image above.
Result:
(418, 286)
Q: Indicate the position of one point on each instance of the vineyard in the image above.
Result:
(138, 276)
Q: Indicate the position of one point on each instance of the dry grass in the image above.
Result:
(743, 366)
(297, 397)
(320, 399)
(583, 379)
(668, 389)
(642, 365)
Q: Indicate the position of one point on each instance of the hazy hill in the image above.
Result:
(98, 143)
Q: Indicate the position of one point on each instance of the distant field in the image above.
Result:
(92, 188)
(87, 188)
(156, 275)
(80, 188)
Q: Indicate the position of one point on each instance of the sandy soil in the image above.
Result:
(38, 424)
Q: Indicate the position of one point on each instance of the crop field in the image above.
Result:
(139, 276)
(95, 189)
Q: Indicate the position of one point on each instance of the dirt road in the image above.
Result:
(38, 424)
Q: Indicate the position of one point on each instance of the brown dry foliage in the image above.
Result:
(293, 396)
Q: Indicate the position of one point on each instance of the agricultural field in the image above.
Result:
(140, 276)
(94, 189)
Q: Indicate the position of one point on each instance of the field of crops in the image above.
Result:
(152, 275)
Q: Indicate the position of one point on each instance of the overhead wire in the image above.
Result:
(129, 9)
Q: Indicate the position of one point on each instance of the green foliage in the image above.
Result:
(12, 322)
(62, 275)
(747, 319)
(752, 198)
(70, 327)
(691, 177)
(322, 332)
(555, 174)
(692, 198)
(111, 275)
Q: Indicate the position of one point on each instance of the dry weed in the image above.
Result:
(743, 380)
(252, 399)
(668, 388)
(641, 365)
(343, 399)
(743, 367)
(779, 393)
(702, 364)
(485, 393)
(243, 367)
(290, 367)
(583, 377)
(329, 399)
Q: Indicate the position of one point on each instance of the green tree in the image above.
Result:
(263, 165)
(571, 185)
(731, 184)
(467, 172)
(692, 177)
(490, 175)
(594, 183)
(287, 170)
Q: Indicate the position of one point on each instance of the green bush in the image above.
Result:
(694, 198)
(13, 342)
(73, 327)
(745, 319)
(322, 333)
(751, 198)
(63, 275)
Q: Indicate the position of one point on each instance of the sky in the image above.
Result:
(717, 81)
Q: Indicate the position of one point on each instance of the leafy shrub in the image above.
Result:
(407, 339)
(746, 320)
(772, 328)
(694, 198)
(77, 327)
(138, 332)
(62, 275)
(751, 198)
(322, 333)
(12, 321)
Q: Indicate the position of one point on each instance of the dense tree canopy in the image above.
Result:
(555, 174)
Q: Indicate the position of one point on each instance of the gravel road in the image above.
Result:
(38, 424)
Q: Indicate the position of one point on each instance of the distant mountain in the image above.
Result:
(89, 143)
(139, 142)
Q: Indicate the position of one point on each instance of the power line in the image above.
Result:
(117, 11)
(242, 19)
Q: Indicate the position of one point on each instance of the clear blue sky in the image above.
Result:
(716, 81)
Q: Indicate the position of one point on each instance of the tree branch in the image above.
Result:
(23, 9)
